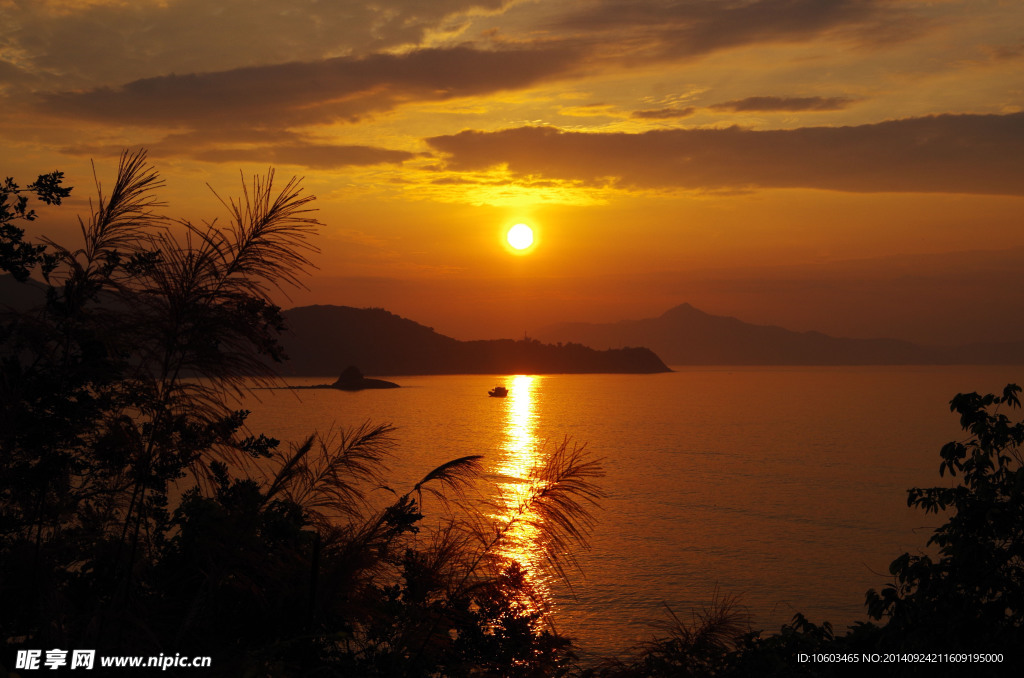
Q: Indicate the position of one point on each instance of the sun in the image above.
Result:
(520, 236)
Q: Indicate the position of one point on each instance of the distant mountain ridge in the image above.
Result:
(324, 340)
(685, 335)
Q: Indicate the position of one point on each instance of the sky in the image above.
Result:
(849, 166)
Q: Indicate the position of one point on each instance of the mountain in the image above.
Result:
(685, 335)
(324, 340)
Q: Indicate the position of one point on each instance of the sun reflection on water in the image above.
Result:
(522, 454)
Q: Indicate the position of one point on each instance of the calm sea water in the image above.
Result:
(785, 487)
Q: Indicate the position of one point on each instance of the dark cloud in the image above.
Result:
(88, 45)
(670, 28)
(348, 88)
(946, 153)
(276, 147)
(11, 74)
(784, 104)
(664, 113)
(311, 92)
(317, 156)
(308, 90)
(1007, 52)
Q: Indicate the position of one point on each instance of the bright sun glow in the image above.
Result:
(520, 236)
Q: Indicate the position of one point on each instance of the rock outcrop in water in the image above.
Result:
(352, 379)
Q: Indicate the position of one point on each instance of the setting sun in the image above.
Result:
(520, 236)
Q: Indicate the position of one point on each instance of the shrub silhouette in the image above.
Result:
(971, 597)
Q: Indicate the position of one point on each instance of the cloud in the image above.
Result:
(317, 156)
(947, 153)
(80, 46)
(281, 147)
(224, 81)
(11, 74)
(787, 104)
(668, 28)
(85, 45)
(308, 62)
(1006, 52)
(303, 93)
(665, 113)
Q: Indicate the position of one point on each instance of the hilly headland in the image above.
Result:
(324, 340)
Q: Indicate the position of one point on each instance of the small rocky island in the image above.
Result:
(352, 379)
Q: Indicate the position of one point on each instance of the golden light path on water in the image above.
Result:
(523, 452)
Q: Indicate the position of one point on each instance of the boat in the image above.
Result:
(498, 392)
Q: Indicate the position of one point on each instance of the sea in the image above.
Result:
(783, 489)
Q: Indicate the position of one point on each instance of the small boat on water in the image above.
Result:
(498, 392)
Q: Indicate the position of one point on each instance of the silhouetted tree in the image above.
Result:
(970, 598)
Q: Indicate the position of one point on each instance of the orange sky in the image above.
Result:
(850, 166)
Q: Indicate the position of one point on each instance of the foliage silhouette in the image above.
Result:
(702, 646)
(116, 395)
(17, 256)
(971, 598)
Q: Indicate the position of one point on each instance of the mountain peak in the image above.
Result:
(685, 335)
(684, 309)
